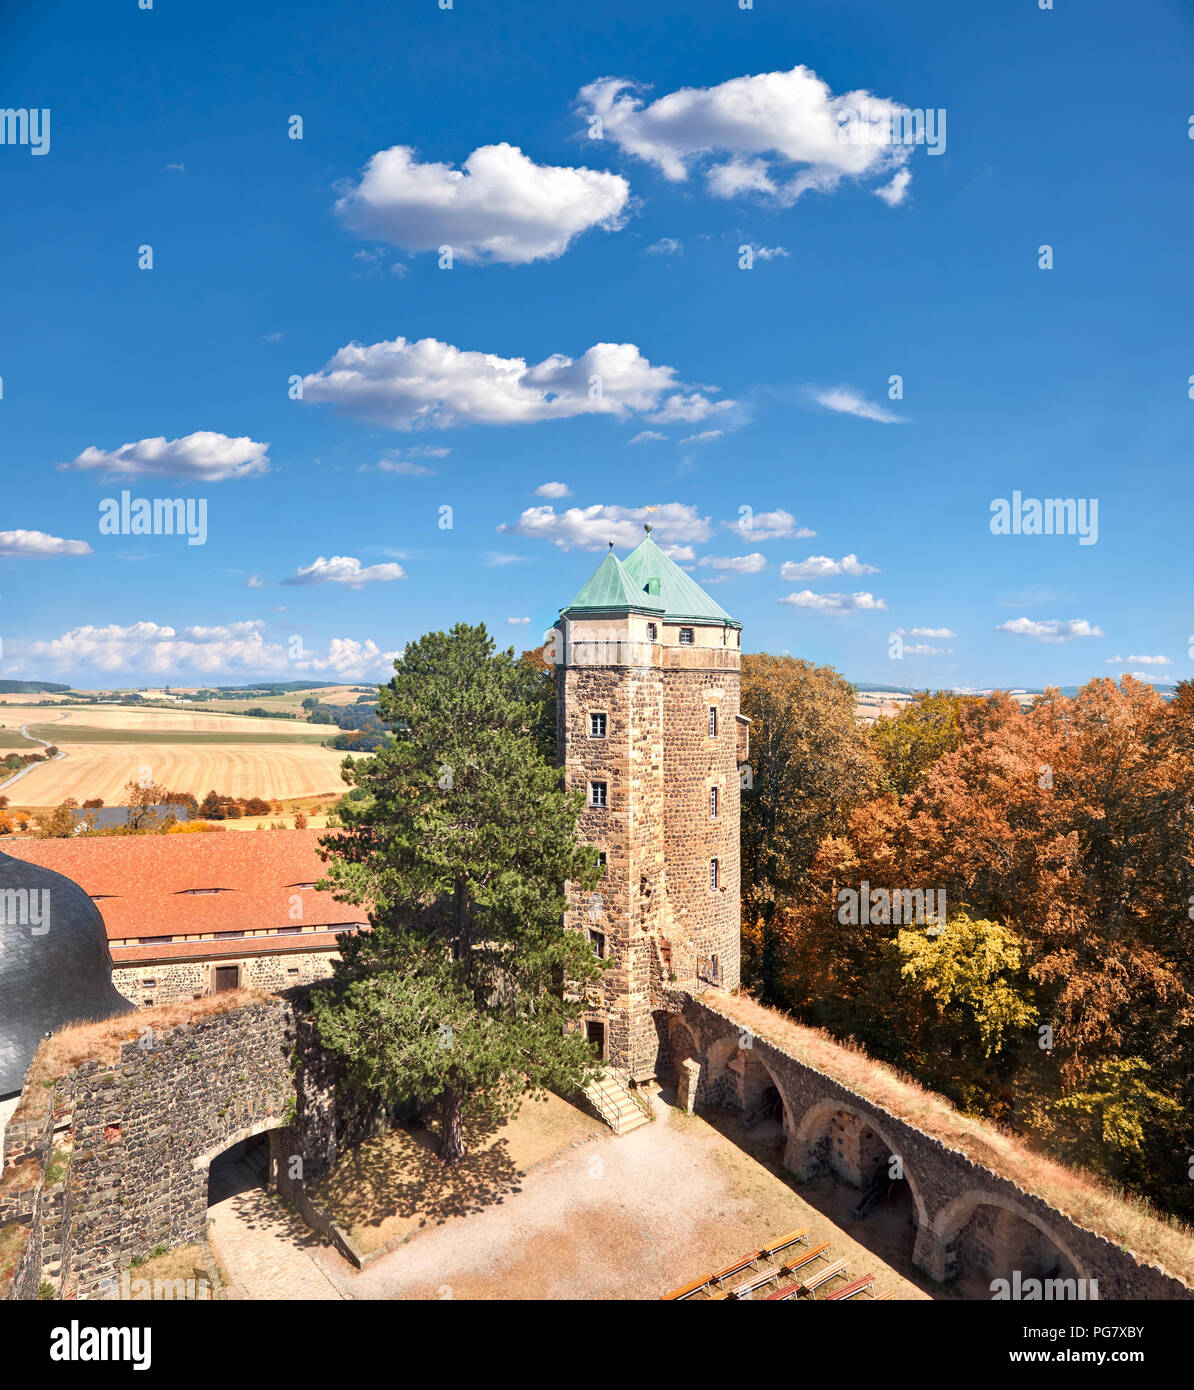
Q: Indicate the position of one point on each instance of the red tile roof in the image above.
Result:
(145, 886)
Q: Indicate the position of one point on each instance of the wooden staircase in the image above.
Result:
(621, 1108)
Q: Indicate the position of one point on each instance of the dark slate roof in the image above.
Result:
(55, 966)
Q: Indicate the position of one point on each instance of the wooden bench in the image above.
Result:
(852, 1290)
(785, 1292)
(686, 1290)
(810, 1286)
(757, 1282)
(769, 1252)
(818, 1252)
(746, 1262)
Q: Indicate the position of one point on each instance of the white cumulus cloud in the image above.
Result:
(553, 490)
(205, 456)
(406, 385)
(674, 527)
(1140, 660)
(1050, 629)
(823, 567)
(500, 206)
(773, 134)
(737, 564)
(39, 543)
(235, 648)
(833, 603)
(778, 525)
(344, 569)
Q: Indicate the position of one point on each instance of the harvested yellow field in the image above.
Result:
(107, 746)
(166, 720)
(273, 772)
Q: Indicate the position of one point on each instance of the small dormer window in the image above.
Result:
(686, 637)
(596, 725)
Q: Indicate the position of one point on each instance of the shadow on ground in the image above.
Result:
(887, 1230)
(400, 1176)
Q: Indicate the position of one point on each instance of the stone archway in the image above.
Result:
(247, 1157)
(687, 1063)
(836, 1137)
(980, 1237)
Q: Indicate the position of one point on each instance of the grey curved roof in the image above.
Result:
(55, 965)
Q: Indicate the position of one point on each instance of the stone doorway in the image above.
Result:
(240, 1168)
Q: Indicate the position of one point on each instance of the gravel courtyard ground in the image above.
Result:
(613, 1218)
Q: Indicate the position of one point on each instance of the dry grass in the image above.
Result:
(1126, 1221)
(175, 1267)
(12, 1245)
(390, 1187)
(102, 1041)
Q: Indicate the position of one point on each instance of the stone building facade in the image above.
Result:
(647, 673)
(187, 916)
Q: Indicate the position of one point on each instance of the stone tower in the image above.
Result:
(647, 674)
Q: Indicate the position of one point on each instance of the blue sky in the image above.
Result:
(469, 387)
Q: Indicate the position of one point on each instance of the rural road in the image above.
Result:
(16, 777)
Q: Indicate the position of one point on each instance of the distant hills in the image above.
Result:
(32, 688)
(869, 687)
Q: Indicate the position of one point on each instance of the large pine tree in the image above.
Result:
(460, 847)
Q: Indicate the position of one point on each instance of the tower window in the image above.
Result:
(714, 873)
(596, 725)
(597, 941)
(598, 793)
(712, 721)
(601, 860)
(713, 802)
(652, 632)
(686, 637)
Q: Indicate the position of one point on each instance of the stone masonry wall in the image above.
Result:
(695, 763)
(626, 906)
(118, 1163)
(660, 765)
(146, 984)
(964, 1210)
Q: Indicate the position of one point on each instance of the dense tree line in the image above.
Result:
(1056, 995)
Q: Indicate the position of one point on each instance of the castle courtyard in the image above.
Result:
(604, 1218)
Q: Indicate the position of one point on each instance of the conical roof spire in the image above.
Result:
(611, 590)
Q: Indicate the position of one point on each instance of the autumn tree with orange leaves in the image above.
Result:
(1063, 837)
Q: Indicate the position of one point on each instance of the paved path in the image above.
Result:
(266, 1251)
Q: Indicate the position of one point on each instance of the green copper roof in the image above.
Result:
(611, 590)
(682, 597)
